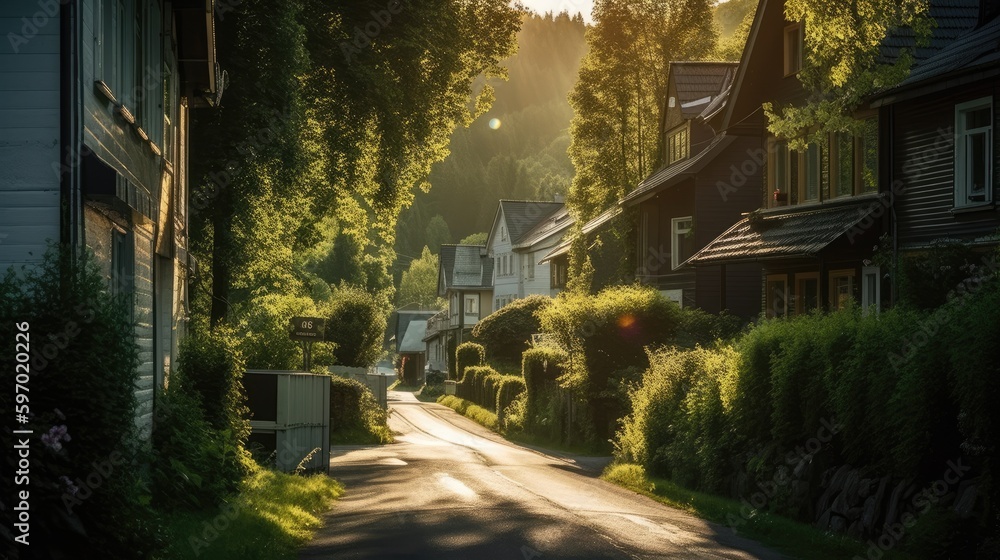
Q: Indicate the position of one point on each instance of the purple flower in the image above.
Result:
(71, 488)
(55, 435)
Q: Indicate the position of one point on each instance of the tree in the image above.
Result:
(437, 233)
(475, 239)
(357, 326)
(618, 96)
(420, 282)
(731, 46)
(844, 62)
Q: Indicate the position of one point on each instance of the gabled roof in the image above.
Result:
(413, 338)
(792, 233)
(464, 266)
(953, 18)
(699, 83)
(597, 222)
(670, 175)
(554, 224)
(520, 217)
(970, 50)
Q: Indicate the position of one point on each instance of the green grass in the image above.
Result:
(274, 514)
(470, 410)
(789, 537)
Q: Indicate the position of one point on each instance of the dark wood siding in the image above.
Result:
(655, 267)
(923, 166)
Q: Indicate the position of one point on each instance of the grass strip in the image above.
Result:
(792, 538)
(471, 411)
(274, 514)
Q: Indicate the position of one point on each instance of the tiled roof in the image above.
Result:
(953, 18)
(413, 338)
(669, 175)
(795, 232)
(972, 49)
(523, 215)
(557, 222)
(699, 83)
(466, 266)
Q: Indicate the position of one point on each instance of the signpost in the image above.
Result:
(307, 330)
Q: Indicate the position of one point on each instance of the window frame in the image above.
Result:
(961, 183)
(833, 301)
(799, 29)
(800, 278)
(682, 150)
(770, 311)
(871, 300)
(530, 267)
(777, 149)
(675, 233)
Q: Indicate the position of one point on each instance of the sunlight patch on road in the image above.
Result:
(392, 461)
(456, 486)
(670, 532)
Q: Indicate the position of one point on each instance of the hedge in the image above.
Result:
(490, 389)
(541, 368)
(355, 415)
(506, 333)
(468, 354)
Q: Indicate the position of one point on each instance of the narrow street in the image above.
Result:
(450, 488)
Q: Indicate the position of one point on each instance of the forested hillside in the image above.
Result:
(515, 150)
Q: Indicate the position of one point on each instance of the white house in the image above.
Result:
(522, 233)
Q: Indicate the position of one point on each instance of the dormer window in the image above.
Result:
(793, 49)
(678, 145)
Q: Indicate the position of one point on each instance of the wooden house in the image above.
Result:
(94, 102)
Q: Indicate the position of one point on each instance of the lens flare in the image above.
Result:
(494, 123)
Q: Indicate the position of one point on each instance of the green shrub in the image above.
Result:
(83, 360)
(507, 389)
(356, 324)
(927, 278)
(263, 338)
(210, 367)
(468, 354)
(355, 415)
(541, 369)
(506, 333)
(606, 336)
(698, 327)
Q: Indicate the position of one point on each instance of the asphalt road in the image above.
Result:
(451, 489)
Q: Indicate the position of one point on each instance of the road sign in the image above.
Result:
(307, 329)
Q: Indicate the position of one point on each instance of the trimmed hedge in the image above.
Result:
(355, 415)
(490, 389)
(506, 333)
(468, 354)
(541, 369)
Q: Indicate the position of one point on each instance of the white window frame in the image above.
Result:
(675, 233)
(530, 273)
(871, 292)
(471, 305)
(961, 155)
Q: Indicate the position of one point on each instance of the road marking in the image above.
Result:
(456, 486)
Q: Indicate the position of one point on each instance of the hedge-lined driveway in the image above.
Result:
(451, 489)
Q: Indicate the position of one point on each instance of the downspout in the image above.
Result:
(893, 275)
(70, 148)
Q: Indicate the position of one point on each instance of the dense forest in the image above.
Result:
(515, 150)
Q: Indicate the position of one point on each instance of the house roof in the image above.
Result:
(404, 318)
(413, 338)
(791, 233)
(973, 49)
(521, 216)
(465, 266)
(555, 223)
(670, 175)
(597, 222)
(699, 83)
(953, 18)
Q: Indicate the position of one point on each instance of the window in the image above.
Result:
(122, 258)
(558, 272)
(530, 273)
(681, 242)
(806, 292)
(776, 295)
(496, 303)
(813, 174)
(793, 49)
(868, 156)
(112, 43)
(779, 166)
(677, 145)
(871, 290)
(841, 289)
(503, 233)
(472, 305)
(974, 152)
(843, 164)
(453, 308)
